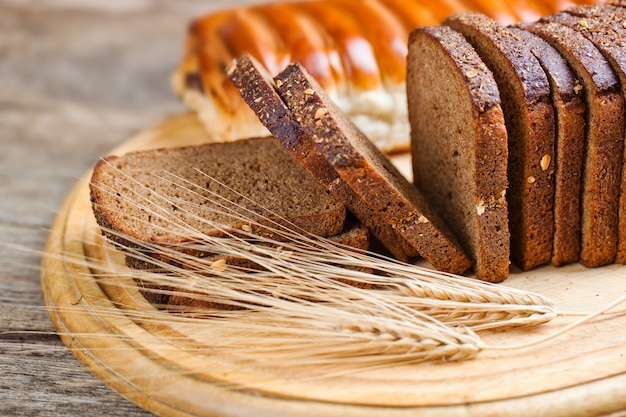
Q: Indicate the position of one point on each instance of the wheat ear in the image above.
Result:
(481, 304)
(309, 299)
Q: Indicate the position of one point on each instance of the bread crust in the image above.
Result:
(258, 91)
(474, 205)
(566, 93)
(368, 172)
(604, 140)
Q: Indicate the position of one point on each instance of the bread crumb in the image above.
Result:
(278, 83)
(531, 179)
(583, 23)
(422, 219)
(471, 73)
(309, 91)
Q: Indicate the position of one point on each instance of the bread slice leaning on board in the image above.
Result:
(345, 155)
(570, 110)
(603, 26)
(259, 91)
(530, 123)
(356, 50)
(604, 141)
(460, 152)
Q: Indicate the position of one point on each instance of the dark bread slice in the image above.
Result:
(354, 235)
(459, 143)
(258, 91)
(530, 123)
(603, 25)
(166, 196)
(568, 103)
(604, 140)
(164, 296)
(368, 172)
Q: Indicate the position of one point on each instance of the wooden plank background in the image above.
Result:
(77, 78)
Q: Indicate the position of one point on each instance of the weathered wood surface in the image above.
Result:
(76, 79)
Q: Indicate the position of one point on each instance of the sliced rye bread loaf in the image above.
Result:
(604, 140)
(369, 172)
(459, 144)
(258, 90)
(568, 103)
(603, 25)
(169, 197)
(530, 123)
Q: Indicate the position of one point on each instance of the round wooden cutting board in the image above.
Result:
(171, 368)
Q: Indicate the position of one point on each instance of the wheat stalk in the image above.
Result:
(458, 300)
(481, 304)
(308, 300)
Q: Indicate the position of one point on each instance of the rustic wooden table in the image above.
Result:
(76, 79)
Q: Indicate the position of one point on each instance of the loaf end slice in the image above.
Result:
(368, 172)
(258, 90)
(459, 144)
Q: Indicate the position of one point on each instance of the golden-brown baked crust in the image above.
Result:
(355, 49)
